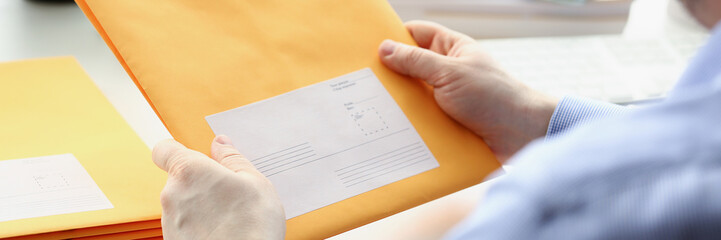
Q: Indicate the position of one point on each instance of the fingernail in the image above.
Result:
(223, 140)
(387, 47)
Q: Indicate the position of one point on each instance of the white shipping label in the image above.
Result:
(44, 186)
(328, 141)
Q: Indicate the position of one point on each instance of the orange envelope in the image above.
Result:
(140, 234)
(195, 58)
(50, 106)
(129, 227)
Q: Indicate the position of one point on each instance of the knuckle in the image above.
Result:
(166, 198)
(228, 152)
(183, 174)
(443, 73)
(174, 161)
(180, 167)
(413, 56)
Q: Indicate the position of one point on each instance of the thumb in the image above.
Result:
(223, 151)
(174, 158)
(412, 61)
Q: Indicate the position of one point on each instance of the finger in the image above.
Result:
(436, 37)
(226, 154)
(172, 157)
(413, 61)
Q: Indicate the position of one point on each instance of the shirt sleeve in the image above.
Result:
(573, 111)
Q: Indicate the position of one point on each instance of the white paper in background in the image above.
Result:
(44, 186)
(327, 142)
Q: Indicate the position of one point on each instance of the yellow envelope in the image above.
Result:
(50, 106)
(195, 58)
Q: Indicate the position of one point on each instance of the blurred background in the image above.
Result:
(623, 51)
(520, 18)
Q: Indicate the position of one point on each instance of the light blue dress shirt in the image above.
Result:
(605, 172)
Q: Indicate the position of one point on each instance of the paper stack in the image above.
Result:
(70, 166)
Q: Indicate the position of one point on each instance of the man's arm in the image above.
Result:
(473, 90)
(652, 173)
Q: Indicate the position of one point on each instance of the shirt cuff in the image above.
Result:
(572, 111)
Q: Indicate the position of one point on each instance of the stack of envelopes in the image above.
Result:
(70, 166)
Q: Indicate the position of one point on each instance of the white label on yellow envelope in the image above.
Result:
(48, 185)
(328, 141)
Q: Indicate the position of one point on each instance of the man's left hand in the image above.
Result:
(223, 197)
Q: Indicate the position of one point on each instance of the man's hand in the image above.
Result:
(470, 88)
(220, 198)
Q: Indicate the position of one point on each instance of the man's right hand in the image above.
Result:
(470, 87)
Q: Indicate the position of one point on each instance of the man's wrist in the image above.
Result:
(537, 113)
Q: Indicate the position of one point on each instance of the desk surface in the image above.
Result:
(35, 29)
